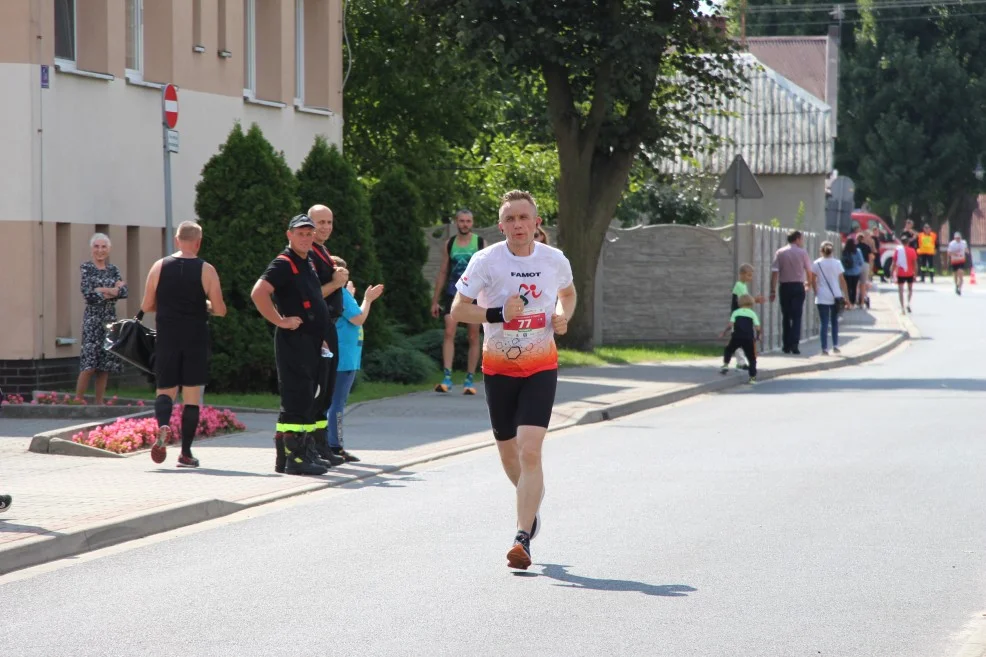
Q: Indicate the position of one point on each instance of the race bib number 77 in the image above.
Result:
(524, 326)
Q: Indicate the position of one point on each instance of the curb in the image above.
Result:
(59, 545)
(57, 441)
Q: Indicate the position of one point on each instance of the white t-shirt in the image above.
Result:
(956, 251)
(827, 269)
(525, 345)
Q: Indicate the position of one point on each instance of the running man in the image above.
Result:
(957, 250)
(525, 295)
(904, 266)
(459, 250)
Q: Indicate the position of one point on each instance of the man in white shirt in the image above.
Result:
(957, 250)
(524, 295)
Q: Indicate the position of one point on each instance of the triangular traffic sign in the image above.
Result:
(738, 181)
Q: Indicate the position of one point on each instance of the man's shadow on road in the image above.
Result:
(560, 573)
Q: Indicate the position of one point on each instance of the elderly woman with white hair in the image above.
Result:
(102, 286)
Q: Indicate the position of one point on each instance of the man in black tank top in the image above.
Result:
(182, 289)
(332, 279)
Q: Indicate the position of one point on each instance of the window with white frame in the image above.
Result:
(249, 47)
(135, 36)
(65, 30)
(299, 51)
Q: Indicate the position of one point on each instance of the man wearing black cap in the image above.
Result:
(289, 296)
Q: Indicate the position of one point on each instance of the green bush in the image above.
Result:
(398, 364)
(398, 218)
(326, 177)
(430, 343)
(244, 200)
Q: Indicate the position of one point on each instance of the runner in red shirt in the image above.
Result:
(904, 267)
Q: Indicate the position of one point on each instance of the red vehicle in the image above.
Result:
(867, 221)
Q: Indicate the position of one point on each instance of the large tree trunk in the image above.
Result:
(587, 200)
(960, 215)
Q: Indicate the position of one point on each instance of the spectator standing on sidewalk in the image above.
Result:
(289, 296)
(852, 265)
(182, 289)
(830, 294)
(878, 256)
(459, 250)
(792, 269)
(102, 286)
(332, 279)
(350, 329)
(864, 243)
(927, 248)
(541, 236)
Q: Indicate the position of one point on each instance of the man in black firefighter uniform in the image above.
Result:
(289, 296)
(332, 279)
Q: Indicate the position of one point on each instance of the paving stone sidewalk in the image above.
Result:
(67, 504)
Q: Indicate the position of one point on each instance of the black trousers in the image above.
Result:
(926, 265)
(748, 347)
(792, 297)
(327, 369)
(852, 284)
(297, 355)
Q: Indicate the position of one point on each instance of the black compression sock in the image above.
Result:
(189, 423)
(162, 410)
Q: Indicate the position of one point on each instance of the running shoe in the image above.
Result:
(5, 502)
(908, 307)
(469, 386)
(724, 369)
(752, 381)
(158, 451)
(446, 383)
(536, 527)
(867, 303)
(519, 555)
(187, 462)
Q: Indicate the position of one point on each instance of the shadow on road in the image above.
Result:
(561, 574)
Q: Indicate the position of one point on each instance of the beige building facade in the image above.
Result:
(81, 146)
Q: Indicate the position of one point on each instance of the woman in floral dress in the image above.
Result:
(102, 286)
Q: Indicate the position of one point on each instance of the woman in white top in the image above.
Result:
(829, 284)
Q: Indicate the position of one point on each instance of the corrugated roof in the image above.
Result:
(778, 127)
(802, 60)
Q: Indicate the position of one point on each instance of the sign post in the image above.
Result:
(169, 119)
(738, 182)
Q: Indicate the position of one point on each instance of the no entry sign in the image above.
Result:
(170, 97)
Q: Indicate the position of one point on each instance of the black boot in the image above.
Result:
(279, 458)
(321, 438)
(312, 453)
(297, 462)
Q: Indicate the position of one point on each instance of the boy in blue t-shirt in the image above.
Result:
(745, 326)
(350, 329)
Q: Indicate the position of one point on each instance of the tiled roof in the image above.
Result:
(778, 127)
(802, 60)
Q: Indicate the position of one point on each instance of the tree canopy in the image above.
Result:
(618, 77)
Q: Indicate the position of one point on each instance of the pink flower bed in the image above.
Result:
(44, 398)
(129, 435)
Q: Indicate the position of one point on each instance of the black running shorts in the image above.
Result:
(182, 364)
(958, 266)
(905, 279)
(516, 401)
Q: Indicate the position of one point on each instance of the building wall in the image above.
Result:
(86, 153)
(782, 196)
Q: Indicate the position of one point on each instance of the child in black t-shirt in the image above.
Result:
(745, 326)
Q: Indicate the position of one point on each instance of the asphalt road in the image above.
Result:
(840, 514)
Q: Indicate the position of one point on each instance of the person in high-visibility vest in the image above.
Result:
(927, 247)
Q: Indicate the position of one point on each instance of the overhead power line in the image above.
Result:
(827, 7)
